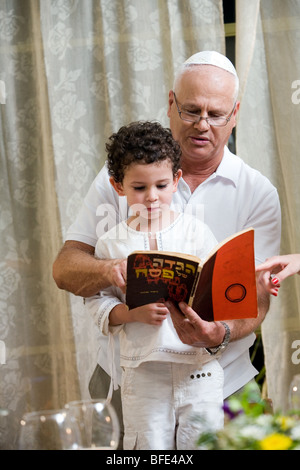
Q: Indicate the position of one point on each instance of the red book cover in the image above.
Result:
(227, 286)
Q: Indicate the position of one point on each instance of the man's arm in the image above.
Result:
(192, 329)
(76, 270)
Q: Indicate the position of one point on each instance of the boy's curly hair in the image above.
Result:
(141, 142)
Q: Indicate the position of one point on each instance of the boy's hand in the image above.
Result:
(153, 314)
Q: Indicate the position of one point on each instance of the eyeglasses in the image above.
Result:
(218, 121)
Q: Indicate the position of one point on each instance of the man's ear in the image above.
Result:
(171, 99)
(237, 107)
(118, 187)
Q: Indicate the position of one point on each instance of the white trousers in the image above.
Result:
(166, 405)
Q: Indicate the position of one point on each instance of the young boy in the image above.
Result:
(165, 384)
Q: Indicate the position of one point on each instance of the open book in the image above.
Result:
(221, 287)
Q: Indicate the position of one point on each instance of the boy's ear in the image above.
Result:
(176, 179)
(118, 187)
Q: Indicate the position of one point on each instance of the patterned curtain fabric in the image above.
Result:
(71, 73)
(268, 63)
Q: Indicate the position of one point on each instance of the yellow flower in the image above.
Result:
(276, 441)
(285, 422)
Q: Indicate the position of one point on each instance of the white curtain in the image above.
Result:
(73, 72)
(268, 63)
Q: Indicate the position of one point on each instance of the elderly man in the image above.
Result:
(229, 194)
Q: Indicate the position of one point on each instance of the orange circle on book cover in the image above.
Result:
(235, 292)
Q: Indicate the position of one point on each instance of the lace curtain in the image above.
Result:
(71, 73)
(268, 63)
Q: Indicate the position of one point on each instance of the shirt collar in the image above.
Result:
(228, 167)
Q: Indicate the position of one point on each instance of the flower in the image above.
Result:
(250, 425)
(285, 422)
(276, 441)
(295, 433)
(252, 430)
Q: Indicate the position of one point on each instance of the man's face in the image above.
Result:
(207, 91)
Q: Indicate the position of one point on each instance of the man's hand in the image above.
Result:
(77, 270)
(192, 330)
(115, 272)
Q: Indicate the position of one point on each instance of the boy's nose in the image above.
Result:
(152, 195)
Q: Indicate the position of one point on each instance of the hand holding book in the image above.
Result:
(222, 287)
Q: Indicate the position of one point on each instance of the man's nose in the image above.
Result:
(202, 124)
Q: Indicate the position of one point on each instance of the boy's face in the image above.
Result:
(148, 187)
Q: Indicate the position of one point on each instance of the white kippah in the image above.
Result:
(211, 58)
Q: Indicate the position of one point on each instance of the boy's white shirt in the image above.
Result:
(139, 341)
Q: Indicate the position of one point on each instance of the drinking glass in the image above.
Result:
(4, 429)
(98, 423)
(294, 393)
(49, 430)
